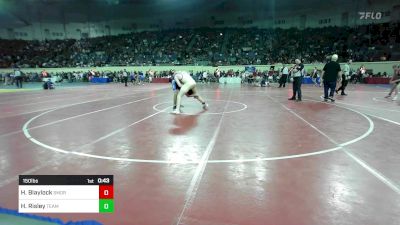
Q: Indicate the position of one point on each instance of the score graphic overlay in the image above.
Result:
(66, 194)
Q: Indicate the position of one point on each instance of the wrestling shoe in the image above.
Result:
(176, 112)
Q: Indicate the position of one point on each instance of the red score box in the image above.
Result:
(106, 192)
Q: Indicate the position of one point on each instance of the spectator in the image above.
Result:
(7, 79)
(206, 46)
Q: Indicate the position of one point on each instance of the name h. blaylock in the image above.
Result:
(37, 193)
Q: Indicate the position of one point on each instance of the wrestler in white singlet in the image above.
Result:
(187, 87)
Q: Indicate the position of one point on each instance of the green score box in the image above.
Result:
(106, 205)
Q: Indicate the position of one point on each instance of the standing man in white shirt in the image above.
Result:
(18, 78)
(297, 71)
(125, 77)
(205, 76)
(217, 74)
(345, 78)
(7, 78)
(284, 76)
(314, 77)
(395, 81)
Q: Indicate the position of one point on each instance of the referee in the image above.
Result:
(330, 75)
(284, 76)
(125, 77)
(296, 71)
(345, 78)
(18, 78)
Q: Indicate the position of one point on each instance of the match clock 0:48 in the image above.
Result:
(103, 180)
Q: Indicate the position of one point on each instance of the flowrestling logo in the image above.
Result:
(370, 15)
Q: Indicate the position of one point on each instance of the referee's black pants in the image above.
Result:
(297, 87)
(18, 81)
(126, 81)
(282, 80)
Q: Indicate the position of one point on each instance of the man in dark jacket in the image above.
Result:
(331, 74)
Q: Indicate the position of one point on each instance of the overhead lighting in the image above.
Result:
(111, 2)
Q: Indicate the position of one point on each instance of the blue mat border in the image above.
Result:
(47, 219)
